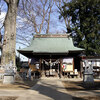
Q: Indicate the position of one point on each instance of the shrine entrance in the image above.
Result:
(50, 67)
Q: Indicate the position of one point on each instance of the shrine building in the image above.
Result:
(53, 55)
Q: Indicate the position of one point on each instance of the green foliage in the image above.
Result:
(85, 18)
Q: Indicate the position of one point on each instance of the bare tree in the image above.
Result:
(9, 41)
(37, 14)
(67, 19)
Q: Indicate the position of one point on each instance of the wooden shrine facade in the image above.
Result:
(53, 54)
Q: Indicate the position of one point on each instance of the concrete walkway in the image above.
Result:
(45, 89)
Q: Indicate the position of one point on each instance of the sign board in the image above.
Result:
(67, 64)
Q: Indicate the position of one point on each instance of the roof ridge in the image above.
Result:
(52, 36)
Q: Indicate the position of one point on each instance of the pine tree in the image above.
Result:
(85, 24)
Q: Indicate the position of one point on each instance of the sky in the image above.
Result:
(20, 20)
(58, 26)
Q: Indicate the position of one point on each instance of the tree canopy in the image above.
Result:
(85, 23)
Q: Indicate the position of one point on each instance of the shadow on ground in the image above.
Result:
(52, 92)
(8, 98)
(86, 98)
(78, 86)
(24, 82)
(82, 90)
(19, 84)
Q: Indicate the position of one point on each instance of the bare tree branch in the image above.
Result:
(36, 12)
(7, 1)
(20, 42)
(67, 20)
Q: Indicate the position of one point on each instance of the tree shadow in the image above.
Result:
(86, 98)
(8, 98)
(24, 82)
(79, 86)
(54, 93)
(56, 86)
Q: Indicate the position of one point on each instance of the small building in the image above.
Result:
(55, 54)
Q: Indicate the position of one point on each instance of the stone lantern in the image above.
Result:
(88, 72)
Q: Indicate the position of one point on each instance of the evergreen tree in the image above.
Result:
(85, 18)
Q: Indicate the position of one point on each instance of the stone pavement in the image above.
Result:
(45, 89)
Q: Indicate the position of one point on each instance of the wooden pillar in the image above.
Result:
(60, 68)
(73, 65)
(40, 63)
(81, 68)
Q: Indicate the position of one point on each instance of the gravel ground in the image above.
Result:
(74, 87)
(20, 85)
(8, 98)
(80, 91)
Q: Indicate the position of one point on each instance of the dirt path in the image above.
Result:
(79, 91)
(45, 89)
(19, 85)
(51, 89)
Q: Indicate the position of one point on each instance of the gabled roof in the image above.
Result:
(51, 44)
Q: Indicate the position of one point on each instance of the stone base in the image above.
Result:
(8, 79)
(88, 78)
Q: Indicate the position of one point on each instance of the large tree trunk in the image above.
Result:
(9, 42)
